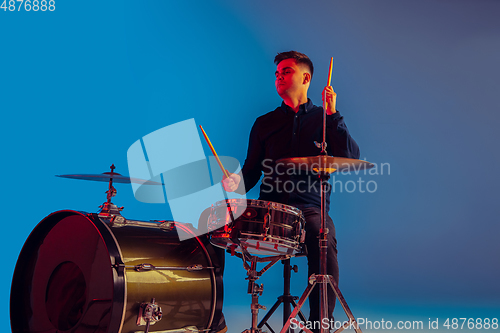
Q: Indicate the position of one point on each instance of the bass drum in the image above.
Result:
(79, 273)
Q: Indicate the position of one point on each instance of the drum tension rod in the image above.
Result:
(187, 329)
(148, 267)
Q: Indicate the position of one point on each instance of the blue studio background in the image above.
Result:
(417, 83)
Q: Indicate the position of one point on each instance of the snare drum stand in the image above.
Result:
(287, 299)
(253, 275)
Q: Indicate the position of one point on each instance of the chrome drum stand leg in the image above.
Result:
(253, 288)
(287, 299)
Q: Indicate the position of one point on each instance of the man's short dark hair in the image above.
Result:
(300, 58)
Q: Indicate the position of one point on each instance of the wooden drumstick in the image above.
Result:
(330, 72)
(329, 79)
(213, 152)
(230, 212)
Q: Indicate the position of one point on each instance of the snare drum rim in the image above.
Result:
(262, 204)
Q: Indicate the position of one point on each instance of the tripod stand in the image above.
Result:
(323, 165)
(287, 299)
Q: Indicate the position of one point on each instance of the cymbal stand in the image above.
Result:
(287, 299)
(323, 279)
(108, 209)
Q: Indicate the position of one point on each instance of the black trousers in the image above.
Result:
(312, 216)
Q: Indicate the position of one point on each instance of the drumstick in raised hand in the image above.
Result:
(213, 152)
(330, 71)
(329, 80)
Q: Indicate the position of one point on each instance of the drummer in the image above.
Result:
(294, 129)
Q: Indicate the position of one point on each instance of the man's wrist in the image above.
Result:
(334, 115)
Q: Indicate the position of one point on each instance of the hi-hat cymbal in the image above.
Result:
(322, 163)
(106, 176)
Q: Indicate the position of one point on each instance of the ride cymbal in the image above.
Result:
(322, 163)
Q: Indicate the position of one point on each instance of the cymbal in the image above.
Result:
(106, 176)
(322, 163)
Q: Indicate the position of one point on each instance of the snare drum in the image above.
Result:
(79, 273)
(262, 227)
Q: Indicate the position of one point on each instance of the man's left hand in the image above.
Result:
(331, 98)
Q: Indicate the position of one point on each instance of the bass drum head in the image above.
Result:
(75, 274)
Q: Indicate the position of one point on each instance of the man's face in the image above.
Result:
(290, 78)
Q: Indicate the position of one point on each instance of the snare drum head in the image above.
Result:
(76, 273)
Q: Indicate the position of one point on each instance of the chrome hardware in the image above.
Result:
(149, 314)
(194, 268)
(167, 225)
(144, 267)
(187, 329)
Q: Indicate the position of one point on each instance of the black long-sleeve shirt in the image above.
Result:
(283, 133)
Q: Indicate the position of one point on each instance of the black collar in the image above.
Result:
(303, 108)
